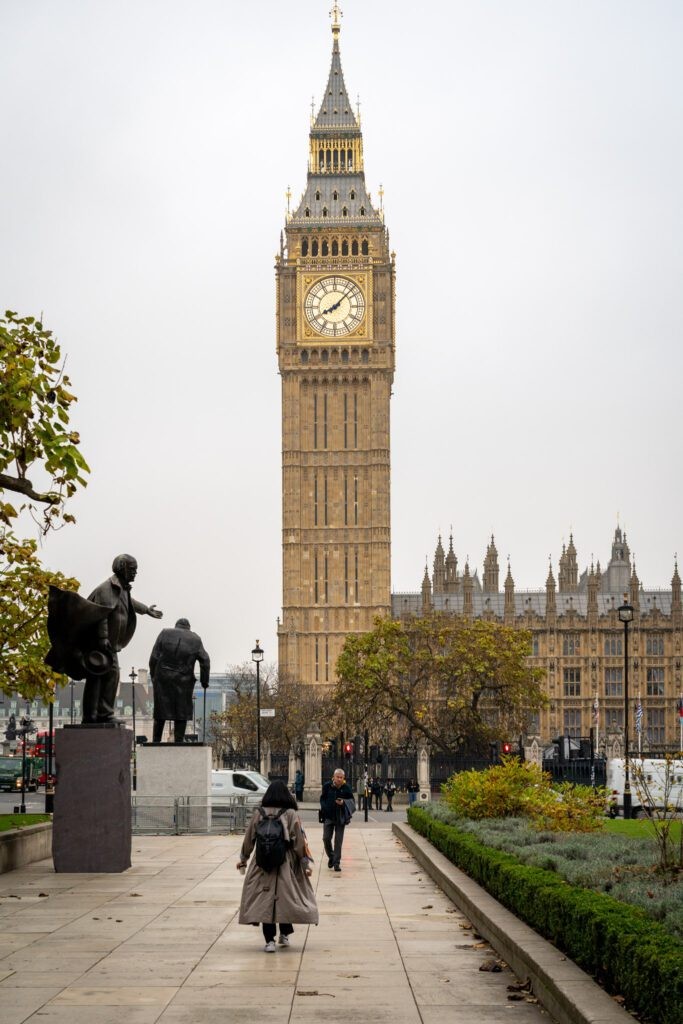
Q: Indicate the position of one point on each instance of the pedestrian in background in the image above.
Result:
(299, 785)
(377, 793)
(285, 895)
(413, 790)
(390, 789)
(335, 816)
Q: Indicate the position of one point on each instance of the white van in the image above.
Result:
(231, 782)
(654, 775)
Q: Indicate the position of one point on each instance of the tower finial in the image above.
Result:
(336, 14)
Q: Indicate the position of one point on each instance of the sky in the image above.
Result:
(531, 154)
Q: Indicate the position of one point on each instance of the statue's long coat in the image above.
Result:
(171, 666)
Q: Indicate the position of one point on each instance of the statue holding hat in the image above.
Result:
(87, 635)
(171, 667)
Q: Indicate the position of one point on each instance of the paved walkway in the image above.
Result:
(161, 943)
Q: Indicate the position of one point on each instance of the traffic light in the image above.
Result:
(506, 747)
(348, 749)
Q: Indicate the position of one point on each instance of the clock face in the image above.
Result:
(334, 306)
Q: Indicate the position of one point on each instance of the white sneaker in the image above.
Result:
(283, 940)
(269, 947)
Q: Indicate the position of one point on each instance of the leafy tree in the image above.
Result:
(296, 705)
(459, 684)
(35, 439)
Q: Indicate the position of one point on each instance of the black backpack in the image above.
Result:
(271, 845)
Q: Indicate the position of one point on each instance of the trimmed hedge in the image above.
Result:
(627, 952)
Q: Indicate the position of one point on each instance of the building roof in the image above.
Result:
(336, 111)
(345, 186)
(527, 601)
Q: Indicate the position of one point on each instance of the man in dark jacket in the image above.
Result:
(334, 818)
(171, 666)
(113, 634)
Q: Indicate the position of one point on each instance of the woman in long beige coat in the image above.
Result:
(283, 897)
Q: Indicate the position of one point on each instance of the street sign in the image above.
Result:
(267, 712)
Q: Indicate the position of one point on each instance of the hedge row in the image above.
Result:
(627, 952)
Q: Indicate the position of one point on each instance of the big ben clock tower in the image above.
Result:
(335, 347)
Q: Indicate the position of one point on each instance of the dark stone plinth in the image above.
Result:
(92, 815)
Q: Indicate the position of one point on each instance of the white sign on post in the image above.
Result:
(267, 712)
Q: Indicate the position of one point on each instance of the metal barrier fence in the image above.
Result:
(582, 770)
(162, 815)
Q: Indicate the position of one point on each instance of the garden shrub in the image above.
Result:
(519, 789)
(618, 944)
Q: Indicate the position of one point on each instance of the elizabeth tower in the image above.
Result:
(335, 346)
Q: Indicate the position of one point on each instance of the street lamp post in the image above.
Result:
(71, 684)
(133, 676)
(625, 612)
(257, 656)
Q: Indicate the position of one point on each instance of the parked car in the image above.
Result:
(10, 774)
(230, 782)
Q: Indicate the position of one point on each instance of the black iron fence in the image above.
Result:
(442, 766)
(584, 771)
(279, 768)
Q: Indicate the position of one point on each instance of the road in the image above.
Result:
(35, 802)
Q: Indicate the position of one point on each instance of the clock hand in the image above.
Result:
(332, 308)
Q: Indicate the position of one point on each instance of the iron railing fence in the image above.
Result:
(585, 771)
(158, 815)
(279, 768)
(442, 766)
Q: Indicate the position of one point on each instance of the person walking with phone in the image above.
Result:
(335, 815)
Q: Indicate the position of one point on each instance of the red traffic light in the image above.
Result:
(348, 749)
(506, 748)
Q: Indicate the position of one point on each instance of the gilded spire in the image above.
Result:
(336, 14)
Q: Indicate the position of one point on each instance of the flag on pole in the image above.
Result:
(639, 717)
(596, 711)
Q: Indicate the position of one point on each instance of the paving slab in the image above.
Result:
(161, 944)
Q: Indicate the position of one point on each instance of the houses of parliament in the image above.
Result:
(335, 335)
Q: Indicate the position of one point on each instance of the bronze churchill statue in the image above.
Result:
(171, 666)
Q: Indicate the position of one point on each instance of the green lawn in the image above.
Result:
(640, 828)
(8, 821)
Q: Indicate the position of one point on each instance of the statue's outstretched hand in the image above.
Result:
(155, 612)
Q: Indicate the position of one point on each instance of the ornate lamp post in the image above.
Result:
(257, 657)
(133, 676)
(625, 612)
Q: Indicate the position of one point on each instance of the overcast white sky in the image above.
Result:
(531, 153)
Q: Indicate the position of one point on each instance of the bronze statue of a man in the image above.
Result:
(113, 632)
(171, 666)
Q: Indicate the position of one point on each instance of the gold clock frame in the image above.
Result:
(305, 334)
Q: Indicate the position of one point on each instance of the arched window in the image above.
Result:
(365, 356)
(354, 248)
(353, 194)
(307, 212)
(321, 158)
(304, 247)
(325, 356)
(345, 355)
(324, 211)
(362, 211)
(364, 247)
(328, 159)
(335, 159)
(304, 356)
(345, 248)
(345, 212)
(349, 158)
(317, 196)
(335, 248)
(314, 248)
(343, 159)
(326, 248)
(335, 195)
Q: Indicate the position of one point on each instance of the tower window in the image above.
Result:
(345, 212)
(325, 519)
(335, 196)
(365, 356)
(364, 247)
(315, 573)
(346, 577)
(314, 248)
(346, 410)
(326, 594)
(321, 159)
(345, 355)
(307, 212)
(315, 500)
(355, 501)
(324, 211)
(317, 664)
(304, 356)
(325, 421)
(304, 247)
(335, 248)
(353, 194)
(317, 196)
(328, 160)
(355, 421)
(349, 158)
(346, 500)
(362, 211)
(335, 156)
(327, 660)
(354, 248)
(345, 247)
(343, 153)
(355, 574)
(324, 356)
(326, 248)
(315, 421)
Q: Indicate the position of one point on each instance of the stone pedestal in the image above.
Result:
(92, 812)
(313, 766)
(175, 770)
